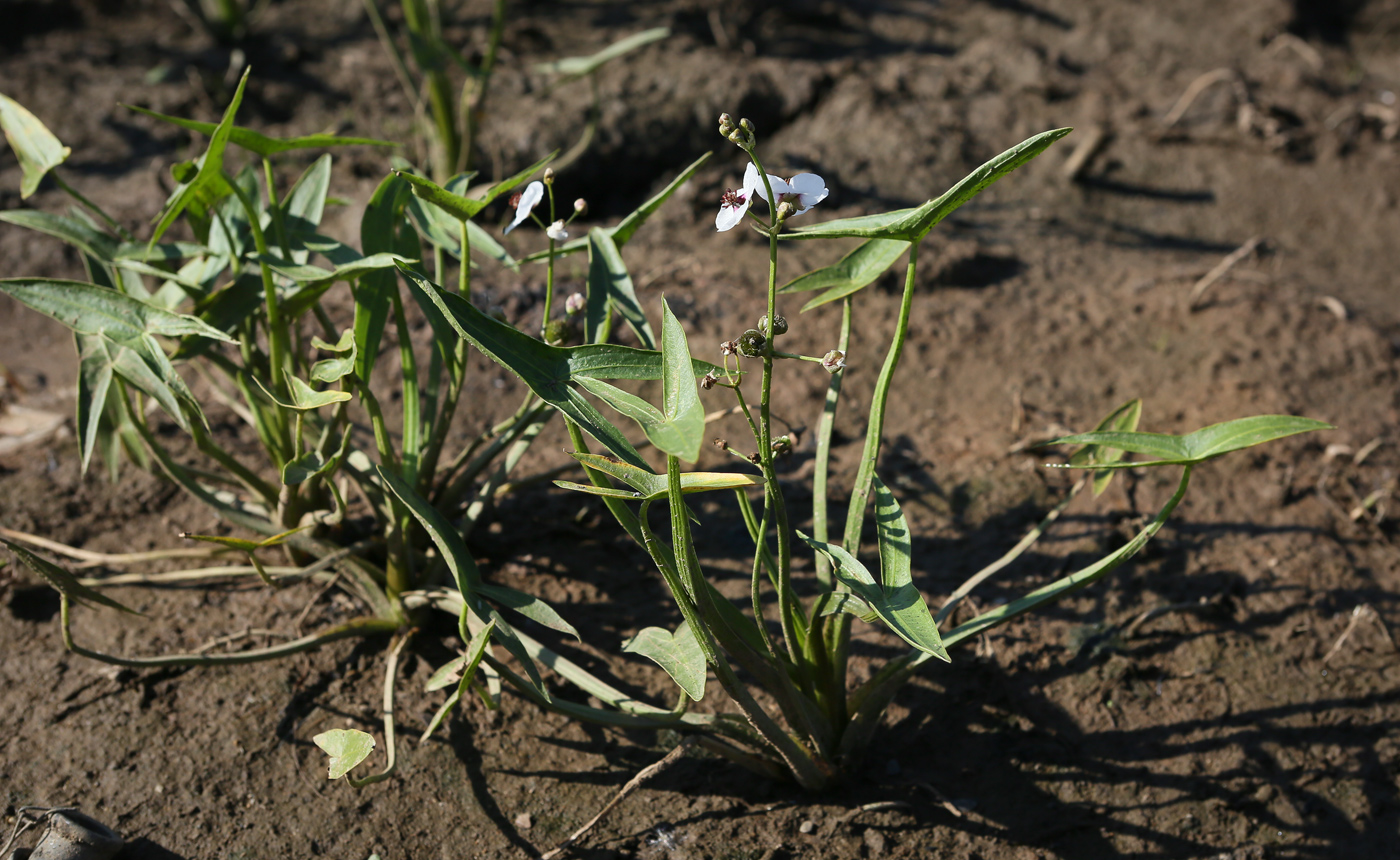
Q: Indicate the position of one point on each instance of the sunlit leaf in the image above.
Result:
(91, 309)
(461, 670)
(1203, 444)
(346, 748)
(679, 654)
(61, 580)
(304, 397)
(311, 464)
(261, 143)
(330, 370)
(305, 202)
(577, 67)
(35, 146)
(911, 225)
(853, 272)
(649, 485)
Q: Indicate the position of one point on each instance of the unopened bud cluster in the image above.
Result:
(752, 342)
(741, 135)
(780, 325)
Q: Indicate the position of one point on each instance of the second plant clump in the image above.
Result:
(256, 318)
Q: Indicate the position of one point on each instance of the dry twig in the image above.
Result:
(632, 785)
(1220, 270)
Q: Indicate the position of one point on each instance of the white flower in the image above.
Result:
(803, 191)
(533, 194)
(556, 231)
(733, 205)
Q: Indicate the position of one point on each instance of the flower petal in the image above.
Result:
(533, 194)
(751, 181)
(729, 217)
(779, 187)
(810, 188)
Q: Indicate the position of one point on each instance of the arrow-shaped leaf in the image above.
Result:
(610, 286)
(1203, 444)
(346, 748)
(466, 208)
(61, 580)
(35, 146)
(911, 225)
(91, 309)
(678, 654)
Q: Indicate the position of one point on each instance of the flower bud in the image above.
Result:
(549, 176)
(726, 124)
(834, 361)
(708, 381)
(780, 324)
(556, 231)
(573, 304)
(556, 332)
(581, 206)
(728, 347)
(786, 210)
(752, 342)
(782, 445)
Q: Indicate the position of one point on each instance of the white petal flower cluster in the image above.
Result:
(802, 192)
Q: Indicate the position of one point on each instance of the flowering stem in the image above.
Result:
(549, 272)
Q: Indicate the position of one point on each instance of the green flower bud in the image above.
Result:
(556, 332)
(780, 324)
(752, 342)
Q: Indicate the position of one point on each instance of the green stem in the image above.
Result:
(276, 328)
(91, 207)
(860, 494)
(391, 668)
(823, 464)
(357, 627)
(412, 419)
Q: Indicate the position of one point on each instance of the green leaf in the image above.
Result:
(853, 272)
(304, 397)
(305, 202)
(346, 748)
(466, 208)
(262, 144)
(442, 229)
(902, 608)
(85, 238)
(609, 286)
(1123, 419)
(544, 368)
(911, 225)
(530, 606)
(315, 277)
(650, 486)
(627, 227)
(833, 602)
(577, 67)
(94, 381)
(1201, 445)
(466, 665)
(61, 580)
(311, 464)
(211, 166)
(678, 654)
(243, 544)
(91, 309)
(35, 146)
(684, 430)
(330, 370)
(373, 292)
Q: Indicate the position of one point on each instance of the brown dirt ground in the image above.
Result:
(1215, 731)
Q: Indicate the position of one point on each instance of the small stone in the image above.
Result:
(524, 821)
(807, 826)
(874, 843)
